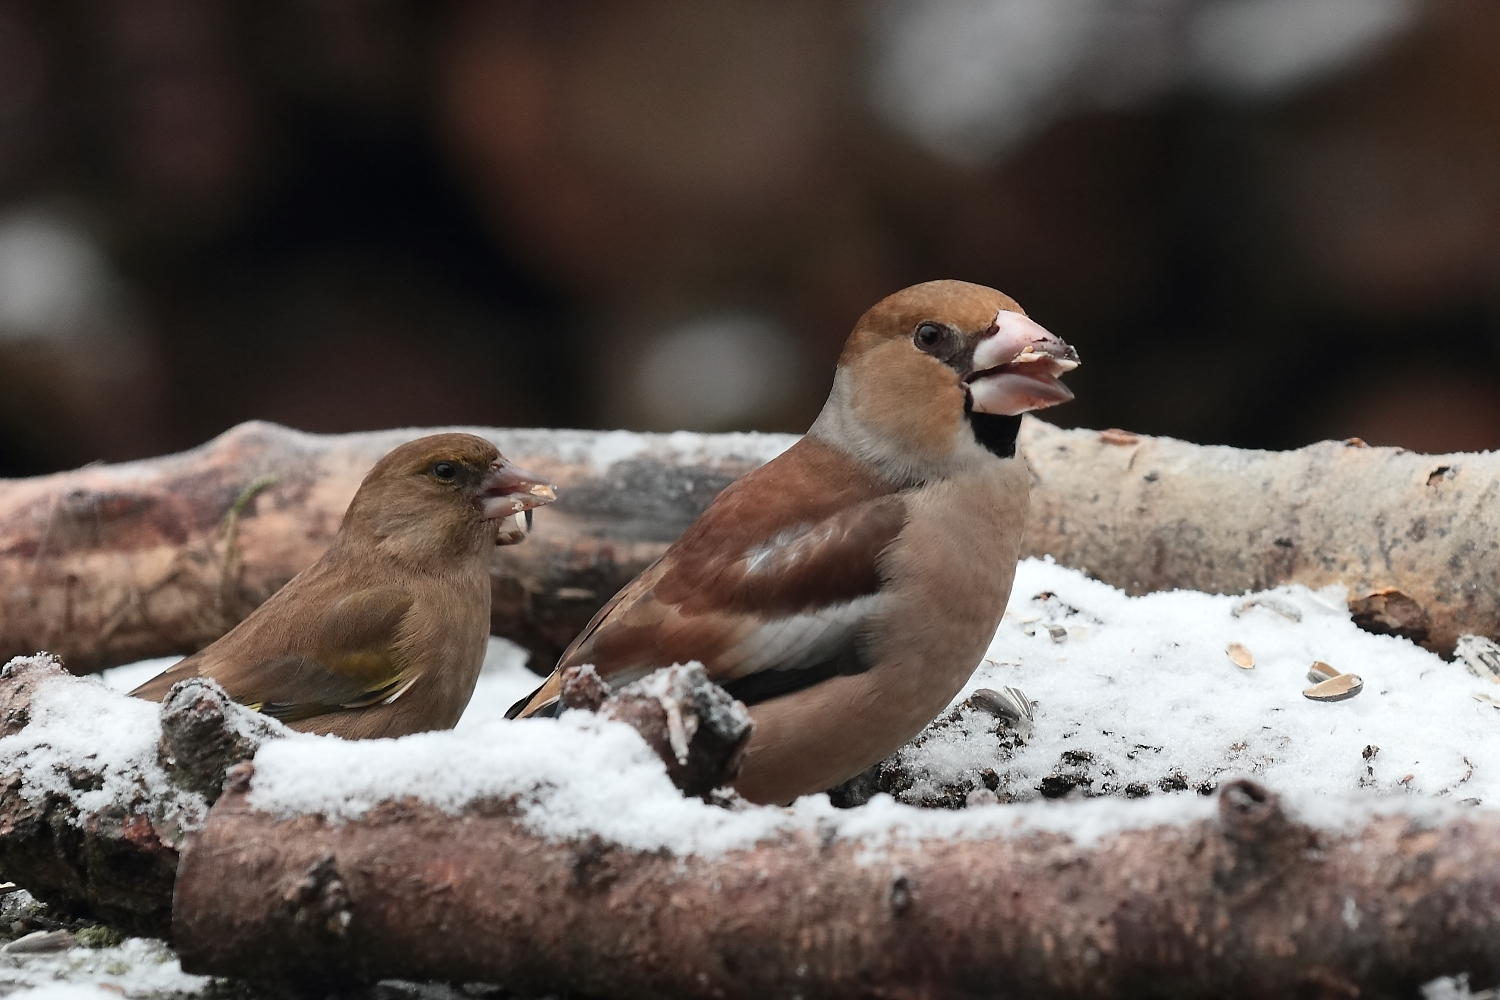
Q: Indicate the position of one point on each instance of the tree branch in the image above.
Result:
(1250, 904)
(110, 564)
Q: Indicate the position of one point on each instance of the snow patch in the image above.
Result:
(580, 775)
(1140, 688)
(503, 680)
(1144, 689)
(130, 676)
(137, 967)
(80, 725)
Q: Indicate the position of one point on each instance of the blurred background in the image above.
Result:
(1262, 222)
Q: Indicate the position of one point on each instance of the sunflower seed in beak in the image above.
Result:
(514, 528)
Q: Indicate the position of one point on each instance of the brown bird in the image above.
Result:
(846, 590)
(384, 635)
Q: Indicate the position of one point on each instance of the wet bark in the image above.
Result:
(1250, 904)
(110, 564)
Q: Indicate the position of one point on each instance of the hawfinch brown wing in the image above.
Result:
(846, 590)
(770, 588)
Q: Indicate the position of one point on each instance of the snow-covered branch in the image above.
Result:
(563, 854)
(1414, 538)
(99, 791)
(536, 889)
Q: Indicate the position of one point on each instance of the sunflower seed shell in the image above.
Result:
(1282, 608)
(1339, 688)
(1320, 672)
(1010, 705)
(1480, 655)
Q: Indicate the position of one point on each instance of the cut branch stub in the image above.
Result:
(582, 688)
(695, 726)
(204, 733)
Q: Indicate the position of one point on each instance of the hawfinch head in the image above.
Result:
(923, 360)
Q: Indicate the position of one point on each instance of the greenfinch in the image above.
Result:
(384, 635)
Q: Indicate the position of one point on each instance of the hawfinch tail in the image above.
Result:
(846, 590)
(384, 635)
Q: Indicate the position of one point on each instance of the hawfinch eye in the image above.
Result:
(446, 471)
(929, 337)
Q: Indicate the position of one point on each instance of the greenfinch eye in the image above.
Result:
(446, 471)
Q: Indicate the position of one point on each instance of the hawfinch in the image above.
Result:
(846, 590)
(384, 635)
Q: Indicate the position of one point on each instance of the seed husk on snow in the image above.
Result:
(1009, 705)
(1240, 656)
(1282, 608)
(1480, 655)
(1320, 672)
(1340, 687)
(41, 943)
(1487, 699)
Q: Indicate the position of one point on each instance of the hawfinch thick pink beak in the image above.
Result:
(510, 493)
(1016, 367)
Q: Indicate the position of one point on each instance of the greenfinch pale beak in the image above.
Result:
(510, 490)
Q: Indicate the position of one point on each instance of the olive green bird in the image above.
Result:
(384, 635)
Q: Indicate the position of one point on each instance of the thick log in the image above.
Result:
(1415, 538)
(110, 564)
(1249, 904)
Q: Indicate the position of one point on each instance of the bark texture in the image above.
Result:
(110, 564)
(696, 727)
(204, 733)
(1248, 905)
(1415, 538)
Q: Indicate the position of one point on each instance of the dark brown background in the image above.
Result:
(1262, 222)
